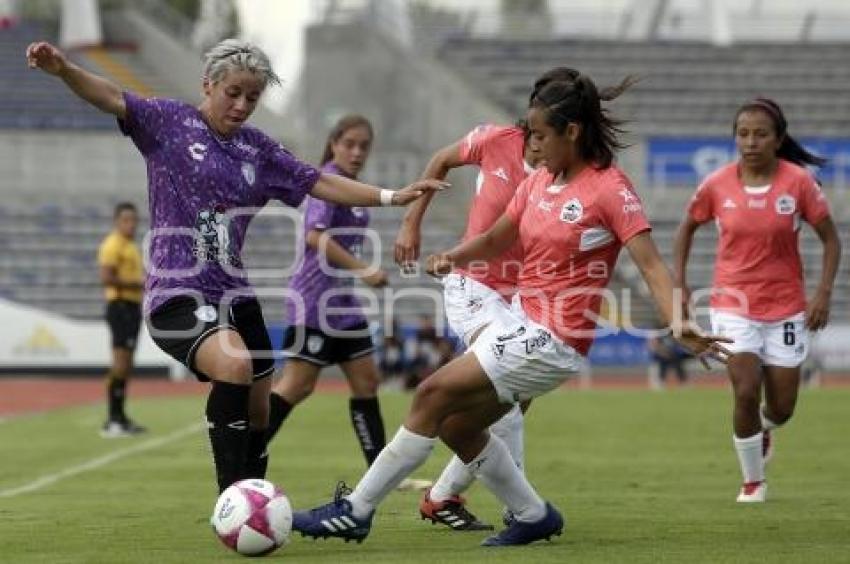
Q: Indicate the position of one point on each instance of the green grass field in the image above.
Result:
(641, 477)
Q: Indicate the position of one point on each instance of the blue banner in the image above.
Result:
(621, 349)
(685, 161)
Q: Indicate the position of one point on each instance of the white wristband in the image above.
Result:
(387, 197)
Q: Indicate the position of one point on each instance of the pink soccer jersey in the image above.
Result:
(498, 151)
(571, 236)
(758, 259)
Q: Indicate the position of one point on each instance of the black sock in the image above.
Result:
(368, 426)
(227, 419)
(279, 410)
(257, 459)
(116, 391)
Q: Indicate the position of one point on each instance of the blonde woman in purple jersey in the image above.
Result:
(208, 175)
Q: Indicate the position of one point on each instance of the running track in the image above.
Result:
(23, 395)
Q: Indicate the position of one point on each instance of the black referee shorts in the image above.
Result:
(124, 318)
(181, 324)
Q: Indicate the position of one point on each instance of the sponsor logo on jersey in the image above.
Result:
(729, 204)
(539, 340)
(194, 123)
(572, 211)
(197, 151)
(498, 350)
(518, 332)
(251, 150)
(757, 204)
(545, 205)
(630, 201)
(500, 173)
(785, 205)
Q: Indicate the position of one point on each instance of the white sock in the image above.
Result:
(510, 429)
(496, 470)
(766, 424)
(402, 455)
(750, 457)
(454, 480)
(456, 477)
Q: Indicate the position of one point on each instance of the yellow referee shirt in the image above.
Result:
(123, 255)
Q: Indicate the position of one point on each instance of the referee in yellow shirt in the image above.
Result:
(121, 274)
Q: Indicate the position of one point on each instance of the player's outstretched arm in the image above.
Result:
(347, 192)
(643, 251)
(97, 91)
(681, 252)
(409, 239)
(489, 244)
(340, 257)
(817, 312)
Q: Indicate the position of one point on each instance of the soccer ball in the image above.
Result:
(253, 517)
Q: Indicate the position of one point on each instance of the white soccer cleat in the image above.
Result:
(753, 492)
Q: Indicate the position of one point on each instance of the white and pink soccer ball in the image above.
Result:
(253, 517)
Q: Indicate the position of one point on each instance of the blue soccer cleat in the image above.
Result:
(519, 532)
(334, 519)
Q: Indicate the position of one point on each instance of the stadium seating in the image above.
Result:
(685, 87)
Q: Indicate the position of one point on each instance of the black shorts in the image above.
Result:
(312, 345)
(181, 324)
(124, 319)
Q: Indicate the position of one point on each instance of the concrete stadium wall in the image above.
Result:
(47, 164)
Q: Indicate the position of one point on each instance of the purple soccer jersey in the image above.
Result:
(203, 192)
(318, 288)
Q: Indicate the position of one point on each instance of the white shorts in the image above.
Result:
(470, 305)
(782, 343)
(523, 359)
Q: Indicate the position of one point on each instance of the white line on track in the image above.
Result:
(101, 461)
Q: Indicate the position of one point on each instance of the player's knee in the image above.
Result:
(782, 414)
(747, 396)
(429, 396)
(299, 389)
(365, 387)
(234, 369)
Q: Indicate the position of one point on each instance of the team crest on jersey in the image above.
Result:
(474, 305)
(248, 173)
(572, 211)
(785, 205)
(314, 343)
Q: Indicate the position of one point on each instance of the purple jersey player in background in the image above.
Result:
(333, 240)
(208, 174)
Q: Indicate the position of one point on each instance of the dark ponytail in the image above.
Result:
(579, 101)
(789, 150)
(345, 123)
